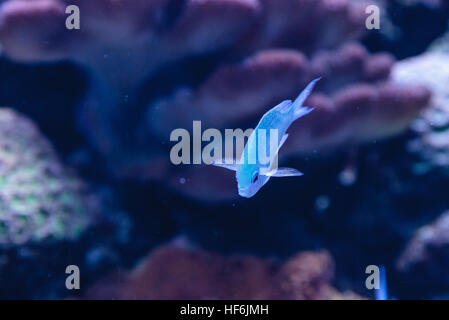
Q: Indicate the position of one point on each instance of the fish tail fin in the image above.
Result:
(298, 109)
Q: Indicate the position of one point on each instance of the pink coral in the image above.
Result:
(350, 98)
(179, 273)
(133, 33)
(355, 103)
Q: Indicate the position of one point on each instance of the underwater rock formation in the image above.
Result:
(40, 199)
(172, 272)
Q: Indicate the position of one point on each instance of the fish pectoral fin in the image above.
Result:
(284, 172)
(284, 138)
(273, 158)
(223, 164)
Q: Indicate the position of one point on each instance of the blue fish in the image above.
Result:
(382, 292)
(253, 175)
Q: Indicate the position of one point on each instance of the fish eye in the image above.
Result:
(255, 177)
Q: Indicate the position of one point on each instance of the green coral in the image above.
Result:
(40, 199)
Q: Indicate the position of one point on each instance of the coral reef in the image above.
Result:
(428, 241)
(40, 199)
(430, 69)
(175, 30)
(138, 38)
(163, 30)
(171, 272)
(425, 259)
(139, 69)
(402, 33)
(129, 71)
(351, 80)
(354, 103)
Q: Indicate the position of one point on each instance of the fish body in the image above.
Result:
(252, 175)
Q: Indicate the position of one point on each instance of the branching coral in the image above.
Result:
(179, 273)
(40, 200)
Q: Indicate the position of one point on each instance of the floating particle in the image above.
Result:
(348, 177)
(322, 203)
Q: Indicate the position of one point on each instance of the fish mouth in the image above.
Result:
(242, 192)
(246, 193)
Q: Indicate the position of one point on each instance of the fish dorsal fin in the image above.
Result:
(281, 143)
(284, 138)
(284, 172)
(284, 106)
